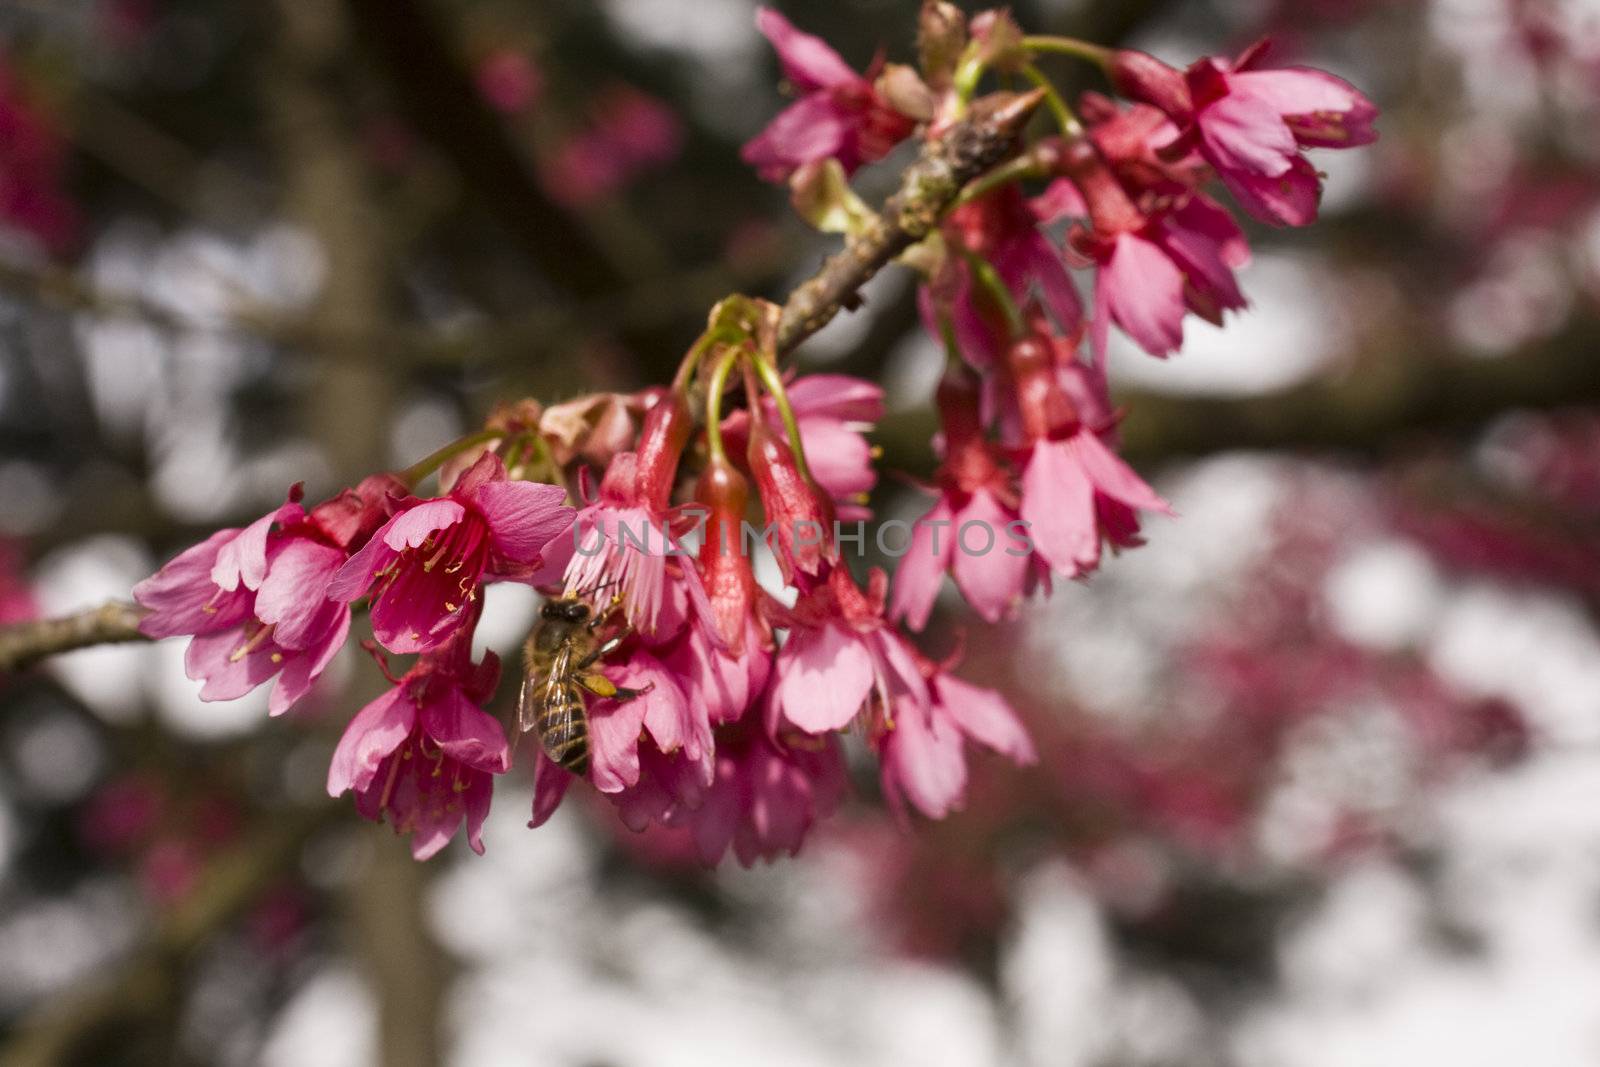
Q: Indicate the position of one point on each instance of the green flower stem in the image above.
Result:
(1023, 167)
(428, 464)
(714, 391)
(994, 287)
(1069, 46)
(1071, 128)
(773, 383)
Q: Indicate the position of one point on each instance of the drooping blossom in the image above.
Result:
(1003, 229)
(832, 411)
(254, 600)
(1252, 124)
(424, 754)
(839, 115)
(840, 658)
(647, 752)
(1076, 492)
(627, 542)
(1156, 262)
(725, 657)
(974, 531)
(765, 797)
(425, 565)
(922, 744)
(800, 515)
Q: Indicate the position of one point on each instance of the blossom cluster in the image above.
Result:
(1028, 427)
(708, 700)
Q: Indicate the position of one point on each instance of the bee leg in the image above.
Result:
(601, 686)
(608, 646)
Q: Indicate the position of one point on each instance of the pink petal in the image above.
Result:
(1144, 293)
(808, 62)
(524, 517)
(1111, 476)
(302, 669)
(293, 595)
(1244, 134)
(242, 560)
(355, 577)
(833, 396)
(411, 527)
(985, 716)
(376, 731)
(182, 598)
(840, 458)
(549, 786)
(923, 760)
(920, 572)
(1321, 109)
(614, 743)
(993, 582)
(476, 797)
(809, 129)
(824, 675)
(1058, 505)
(1290, 199)
(1060, 200)
(466, 733)
(213, 659)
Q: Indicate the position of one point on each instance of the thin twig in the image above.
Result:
(23, 644)
(928, 186)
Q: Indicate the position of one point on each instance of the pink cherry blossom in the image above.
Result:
(1155, 264)
(1002, 228)
(424, 566)
(628, 540)
(841, 658)
(765, 797)
(424, 754)
(923, 748)
(1076, 492)
(1252, 125)
(972, 531)
(839, 114)
(833, 411)
(253, 600)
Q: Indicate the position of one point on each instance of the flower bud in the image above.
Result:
(800, 514)
(941, 35)
(729, 582)
(1145, 78)
(666, 430)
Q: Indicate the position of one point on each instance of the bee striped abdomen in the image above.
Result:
(563, 726)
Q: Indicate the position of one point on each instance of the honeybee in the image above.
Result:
(558, 662)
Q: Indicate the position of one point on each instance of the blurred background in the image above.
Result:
(1320, 774)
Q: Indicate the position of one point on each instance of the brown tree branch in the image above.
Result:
(927, 188)
(23, 644)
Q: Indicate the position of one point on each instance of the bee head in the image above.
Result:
(567, 609)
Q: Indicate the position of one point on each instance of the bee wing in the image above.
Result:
(535, 689)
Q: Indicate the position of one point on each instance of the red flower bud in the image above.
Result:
(666, 430)
(1145, 78)
(800, 514)
(725, 570)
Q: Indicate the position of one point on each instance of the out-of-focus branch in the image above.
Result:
(58, 1031)
(927, 188)
(1375, 409)
(23, 644)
